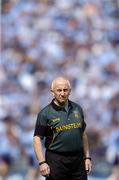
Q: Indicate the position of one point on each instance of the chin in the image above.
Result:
(62, 102)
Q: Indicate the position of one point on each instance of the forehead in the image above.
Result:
(61, 85)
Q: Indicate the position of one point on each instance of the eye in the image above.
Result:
(62, 90)
(65, 90)
(59, 90)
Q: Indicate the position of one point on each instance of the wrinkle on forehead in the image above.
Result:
(60, 80)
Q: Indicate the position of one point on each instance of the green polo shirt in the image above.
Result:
(62, 129)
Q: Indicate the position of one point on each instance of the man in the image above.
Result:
(62, 124)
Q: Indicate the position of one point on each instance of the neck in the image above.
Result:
(60, 104)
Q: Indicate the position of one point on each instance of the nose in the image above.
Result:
(62, 93)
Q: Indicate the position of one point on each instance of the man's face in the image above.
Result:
(61, 92)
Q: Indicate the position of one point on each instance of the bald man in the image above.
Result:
(62, 124)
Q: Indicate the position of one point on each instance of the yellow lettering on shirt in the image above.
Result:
(68, 126)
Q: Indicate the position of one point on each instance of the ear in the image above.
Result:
(69, 91)
(52, 92)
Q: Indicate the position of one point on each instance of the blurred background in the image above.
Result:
(43, 39)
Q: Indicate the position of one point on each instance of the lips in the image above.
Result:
(63, 98)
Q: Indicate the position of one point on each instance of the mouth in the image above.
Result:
(63, 98)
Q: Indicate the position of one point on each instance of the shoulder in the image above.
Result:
(76, 105)
(45, 110)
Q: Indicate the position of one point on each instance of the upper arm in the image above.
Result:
(41, 125)
(36, 139)
(83, 121)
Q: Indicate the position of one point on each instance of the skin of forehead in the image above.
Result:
(59, 80)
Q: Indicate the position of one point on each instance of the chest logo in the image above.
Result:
(55, 119)
(77, 114)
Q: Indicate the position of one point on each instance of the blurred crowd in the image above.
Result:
(42, 39)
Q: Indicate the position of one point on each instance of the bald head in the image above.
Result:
(58, 81)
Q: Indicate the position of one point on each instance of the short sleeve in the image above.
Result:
(41, 125)
(83, 121)
(84, 126)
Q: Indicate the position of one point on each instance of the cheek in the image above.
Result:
(68, 94)
(57, 94)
